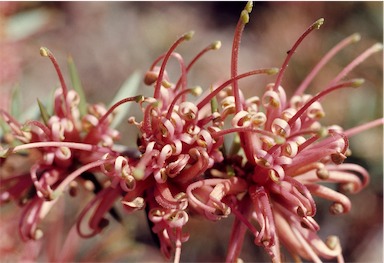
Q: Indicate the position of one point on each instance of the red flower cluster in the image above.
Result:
(279, 157)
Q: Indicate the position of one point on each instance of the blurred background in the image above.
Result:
(109, 41)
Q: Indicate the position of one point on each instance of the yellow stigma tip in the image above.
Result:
(44, 52)
(357, 83)
(197, 91)
(189, 35)
(273, 71)
(244, 17)
(318, 23)
(249, 7)
(356, 37)
(139, 98)
(216, 45)
(377, 47)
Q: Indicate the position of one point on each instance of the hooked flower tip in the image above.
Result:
(38, 234)
(279, 139)
(137, 203)
(332, 242)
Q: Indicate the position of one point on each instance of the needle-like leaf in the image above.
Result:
(128, 89)
(76, 84)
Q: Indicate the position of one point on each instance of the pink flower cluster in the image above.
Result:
(279, 158)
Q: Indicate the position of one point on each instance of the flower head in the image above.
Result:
(280, 157)
(282, 145)
(60, 148)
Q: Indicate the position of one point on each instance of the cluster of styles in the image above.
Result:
(279, 158)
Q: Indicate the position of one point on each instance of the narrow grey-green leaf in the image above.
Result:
(214, 103)
(236, 145)
(3, 128)
(128, 89)
(50, 103)
(43, 112)
(76, 83)
(16, 102)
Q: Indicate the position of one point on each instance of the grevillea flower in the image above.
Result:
(283, 156)
(177, 149)
(279, 160)
(60, 148)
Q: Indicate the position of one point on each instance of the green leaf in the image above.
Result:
(16, 102)
(4, 128)
(76, 83)
(214, 105)
(43, 111)
(128, 89)
(236, 145)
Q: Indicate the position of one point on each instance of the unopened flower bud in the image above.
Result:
(332, 242)
(322, 173)
(150, 77)
(336, 208)
(38, 234)
(338, 158)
